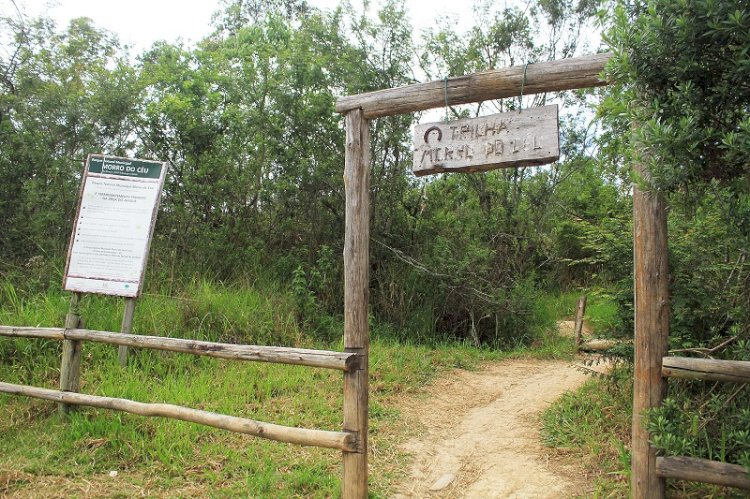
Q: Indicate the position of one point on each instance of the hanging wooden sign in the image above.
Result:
(112, 232)
(527, 138)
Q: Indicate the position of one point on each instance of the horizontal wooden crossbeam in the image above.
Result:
(280, 355)
(329, 439)
(548, 76)
(703, 470)
(736, 371)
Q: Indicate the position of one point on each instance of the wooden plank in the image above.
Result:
(319, 438)
(580, 312)
(599, 344)
(548, 76)
(126, 328)
(280, 355)
(356, 298)
(736, 371)
(651, 276)
(526, 138)
(703, 470)
(70, 367)
(47, 333)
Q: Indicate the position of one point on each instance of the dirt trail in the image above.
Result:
(481, 434)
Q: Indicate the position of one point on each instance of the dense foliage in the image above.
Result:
(684, 69)
(681, 69)
(246, 121)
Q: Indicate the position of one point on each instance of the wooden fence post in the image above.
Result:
(651, 286)
(70, 369)
(126, 327)
(580, 311)
(356, 294)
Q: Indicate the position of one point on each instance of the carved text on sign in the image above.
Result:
(501, 140)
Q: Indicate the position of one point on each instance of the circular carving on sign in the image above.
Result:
(432, 128)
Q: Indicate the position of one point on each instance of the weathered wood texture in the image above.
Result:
(126, 328)
(280, 355)
(70, 366)
(47, 333)
(736, 371)
(526, 138)
(320, 438)
(598, 345)
(550, 76)
(356, 298)
(703, 470)
(651, 275)
(580, 312)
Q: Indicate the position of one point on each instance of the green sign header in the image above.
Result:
(125, 167)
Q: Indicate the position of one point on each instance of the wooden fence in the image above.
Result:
(704, 470)
(67, 396)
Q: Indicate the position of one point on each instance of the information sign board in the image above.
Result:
(526, 138)
(117, 207)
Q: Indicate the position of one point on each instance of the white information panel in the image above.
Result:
(117, 209)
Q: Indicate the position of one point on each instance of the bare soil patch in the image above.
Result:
(480, 434)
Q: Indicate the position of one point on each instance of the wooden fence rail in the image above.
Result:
(703, 470)
(281, 355)
(736, 371)
(346, 441)
(330, 439)
(696, 469)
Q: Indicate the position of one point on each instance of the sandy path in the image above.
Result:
(481, 434)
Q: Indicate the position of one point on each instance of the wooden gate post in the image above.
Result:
(70, 369)
(651, 285)
(356, 294)
(580, 312)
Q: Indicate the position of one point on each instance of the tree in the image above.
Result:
(681, 71)
(480, 243)
(64, 94)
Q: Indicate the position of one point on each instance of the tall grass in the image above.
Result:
(601, 309)
(593, 424)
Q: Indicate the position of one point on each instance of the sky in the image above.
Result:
(139, 23)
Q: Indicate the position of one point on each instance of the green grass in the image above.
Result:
(96, 441)
(602, 313)
(593, 424)
(44, 452)
(601, 309)
(555, 307)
